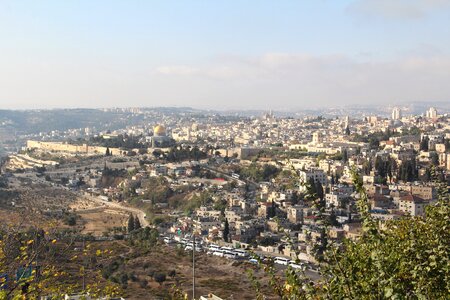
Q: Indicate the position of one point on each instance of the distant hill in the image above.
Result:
(35, 121)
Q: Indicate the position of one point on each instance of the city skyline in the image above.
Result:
(226, 55)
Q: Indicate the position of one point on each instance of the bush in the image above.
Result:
(123, 278)
(159, 278)
(110, 269)
(70, 219)
(143, 283)
(133, 277)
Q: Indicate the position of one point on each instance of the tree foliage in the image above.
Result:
(408, 171)
(177, 154)
(145, 238)
(137, 223)
(424, 143)
(159, 278)
(131, 223)
(124, 141)
(259, 173)
(226, 230)
(30, 266)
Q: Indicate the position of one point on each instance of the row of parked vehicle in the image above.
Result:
(233, 253)
(227, 252)
(188, 244)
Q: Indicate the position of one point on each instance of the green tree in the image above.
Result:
(424, 143)
(172, 273)
(408, 259)
(159, 278)
(131, 223)
(319, 190)
(272, 210)
(226, 230)
(434, 158)
(311, 188)
(145, 238)
(408, 171)
(137, 223)
(345, 156)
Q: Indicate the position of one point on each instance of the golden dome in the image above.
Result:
(159, 130)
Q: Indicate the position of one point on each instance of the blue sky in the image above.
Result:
(223, 54)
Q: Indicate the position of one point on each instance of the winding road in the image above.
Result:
(137, 212)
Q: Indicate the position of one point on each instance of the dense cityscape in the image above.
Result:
(225, 150)
(207, 189)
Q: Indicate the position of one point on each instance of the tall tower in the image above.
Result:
(189, 133)
(317, 138)
(396, 113)
(431, 113)
(347, 120)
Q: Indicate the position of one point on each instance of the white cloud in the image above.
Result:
(393, 9)
(288, 79)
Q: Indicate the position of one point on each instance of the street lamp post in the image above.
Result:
(193, 266)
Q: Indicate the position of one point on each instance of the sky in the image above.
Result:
(223, 54)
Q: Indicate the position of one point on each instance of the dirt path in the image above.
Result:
(137, 212)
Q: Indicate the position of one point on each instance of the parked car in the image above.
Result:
(253, 261)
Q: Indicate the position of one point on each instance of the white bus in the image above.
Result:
(281, 261)
(218, 253)
(294, 265)
(230, 254)
(241, 253)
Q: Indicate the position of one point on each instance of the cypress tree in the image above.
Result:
(312, 188)
(137, 223)
(272, 210)
(434, 159)
(344, 156)
(424, 143)
(320, 195)
(131, 223)
(226, 230)
(319, 190)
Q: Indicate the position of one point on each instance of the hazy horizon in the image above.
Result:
(223, 55)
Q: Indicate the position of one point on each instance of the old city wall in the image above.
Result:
(64, 147)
